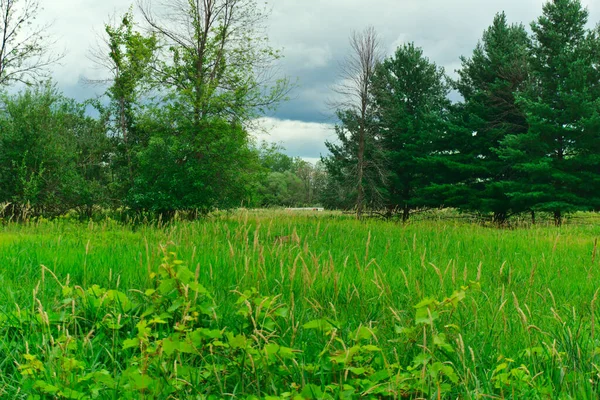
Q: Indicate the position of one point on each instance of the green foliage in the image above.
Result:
(489, 82)
(52, 155)
(98, 343)
(130, 56)
(184, 168)
(412, 99)
(286, 181)
(557, 158)
(342, 164)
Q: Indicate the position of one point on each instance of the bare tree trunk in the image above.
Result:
(405, 213)
(558, 218)
(360, 200)
(357, 72)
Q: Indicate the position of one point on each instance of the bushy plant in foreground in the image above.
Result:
(169, 341)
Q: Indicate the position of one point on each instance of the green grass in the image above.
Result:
(538, 284)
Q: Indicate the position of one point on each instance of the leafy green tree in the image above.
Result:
(217, 61)
(411, 94)
(488, 82)
(273, 159)
(558, 157)
(177, 172)
(286, 181)
(282, 189)
(129, 56)
(52, 155)
(211, 77)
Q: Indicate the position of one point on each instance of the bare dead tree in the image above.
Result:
(354, 101)
(25, 48)
(217, 52)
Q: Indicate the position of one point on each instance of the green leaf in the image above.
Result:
(357, 371)
(319, 324)
(129, 343)
(170, 346)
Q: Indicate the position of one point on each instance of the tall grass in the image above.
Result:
(538, 304)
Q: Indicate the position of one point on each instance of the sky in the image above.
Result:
(313, 37)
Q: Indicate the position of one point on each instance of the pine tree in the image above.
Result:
(355, 162)
(411, 95)
(488, 82)
(558, 158)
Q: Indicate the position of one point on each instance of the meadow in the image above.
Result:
(269, 304)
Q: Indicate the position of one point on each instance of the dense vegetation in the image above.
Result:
(172, 130)
(524, 138)
(113, 287)
(267, 304)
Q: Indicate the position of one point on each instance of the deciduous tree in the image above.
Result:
(26, 50)
(356, 159)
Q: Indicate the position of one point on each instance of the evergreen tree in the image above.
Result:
(356, 159)
(488, 82)
(357, 148)
(558, 158)
(411, 95)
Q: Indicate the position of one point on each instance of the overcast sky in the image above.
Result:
(313, 35)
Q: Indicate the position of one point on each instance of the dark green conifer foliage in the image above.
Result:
(412, 99)
(557, 159)
(488, 82)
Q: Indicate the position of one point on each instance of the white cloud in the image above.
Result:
(302, 139)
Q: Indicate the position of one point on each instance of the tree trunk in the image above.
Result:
(360, 188)
(405, 213)
(532, 217)
(500, 217)
(557, 218)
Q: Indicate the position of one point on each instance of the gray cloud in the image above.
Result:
(314, 37)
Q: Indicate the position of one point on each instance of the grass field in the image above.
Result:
(507, 313)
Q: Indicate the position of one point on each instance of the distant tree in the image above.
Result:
(558, 157)
(286, 181)
(272, 157)
(282, 189)
(356, 159)
(411, 95)
(52, 155)
(25, 48)
(489, 81)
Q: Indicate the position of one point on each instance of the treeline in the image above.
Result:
(525, 137)
(186, 83)
(172, 130)
(56, 158)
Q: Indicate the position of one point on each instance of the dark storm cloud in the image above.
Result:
(314, 37)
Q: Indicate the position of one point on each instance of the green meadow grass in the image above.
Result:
(539, 284)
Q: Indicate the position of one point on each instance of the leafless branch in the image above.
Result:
(225, 49)
(26, 50)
